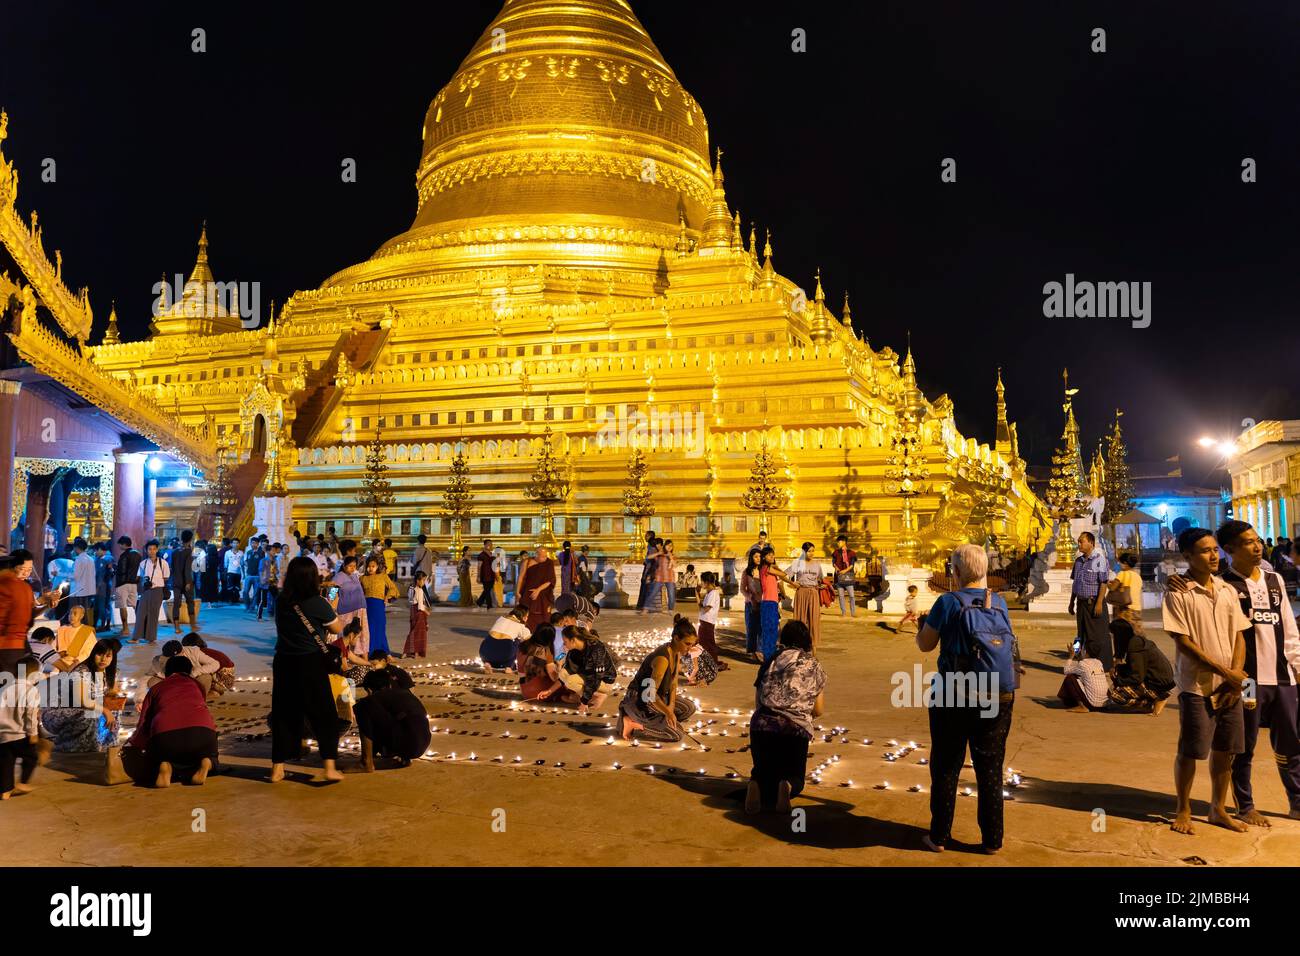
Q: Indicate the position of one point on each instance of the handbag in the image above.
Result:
(1119, 597)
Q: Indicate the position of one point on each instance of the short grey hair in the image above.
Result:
(970, 563)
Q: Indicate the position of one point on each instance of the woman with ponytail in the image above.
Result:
(651, 708)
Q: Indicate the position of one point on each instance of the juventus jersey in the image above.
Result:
(1273, 641)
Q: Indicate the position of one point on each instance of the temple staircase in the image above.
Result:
(322, 395)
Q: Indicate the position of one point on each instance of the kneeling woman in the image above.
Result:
(1143, 677)
(500, 648)
(789, 697)
(651, 708)
(588, 672)
(538, 671)
(392, 721)
(175, 733)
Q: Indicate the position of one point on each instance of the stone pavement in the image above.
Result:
(540, 786)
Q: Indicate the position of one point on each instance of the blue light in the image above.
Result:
(155, 464)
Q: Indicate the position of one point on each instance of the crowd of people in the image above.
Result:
(1238, 654)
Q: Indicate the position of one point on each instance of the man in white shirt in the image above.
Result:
(318, 558)
(154, 572)
(234, 567)
(1208, 628)
(83, 577)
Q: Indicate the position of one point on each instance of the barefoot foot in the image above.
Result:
(164, 776)
(277, 772)
(1183, 823)
(201, 775)
(1219, 818)
(753, 798)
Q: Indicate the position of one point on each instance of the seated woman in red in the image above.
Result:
(175, 732)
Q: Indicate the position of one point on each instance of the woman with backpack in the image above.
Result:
(788, 699)
(972, 630)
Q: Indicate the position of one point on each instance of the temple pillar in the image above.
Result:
(8, 445)
(38, 499)
(128, 499)
(150, 500)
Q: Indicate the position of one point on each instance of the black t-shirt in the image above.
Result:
(295, 637)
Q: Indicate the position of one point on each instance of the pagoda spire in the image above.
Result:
(202, 273)
(847, 318)
(819, 294)
(737, 241)
(1002, 431)
(716, 233)
(111, 336)
(753, 242)
(769, 274)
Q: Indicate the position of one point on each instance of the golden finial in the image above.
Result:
(737, 241)
(818, 294)
(717, 170)
(767, 248)
(111, 336)
(753, 240)
(848, 314)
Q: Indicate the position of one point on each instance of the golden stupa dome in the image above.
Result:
(562, 113)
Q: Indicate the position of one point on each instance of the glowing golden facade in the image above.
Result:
(573, 259)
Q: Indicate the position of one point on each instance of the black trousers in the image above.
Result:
(778, 757)
(185, 594)
(184, 749)
(300, 690)
(10, 753)
(952, 729)
(1093, 630)
(1275, 708)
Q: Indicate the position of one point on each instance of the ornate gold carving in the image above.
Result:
(25, 467)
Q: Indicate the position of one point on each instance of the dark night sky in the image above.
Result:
(1119, 166)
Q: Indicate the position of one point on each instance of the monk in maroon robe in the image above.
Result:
(537, 589)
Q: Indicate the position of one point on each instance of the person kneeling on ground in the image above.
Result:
(538, 671)
(698, 667)
(650, 707)
(379, 660)
(1085, 686)
(501, 647)
(175, 732)
(223, 678)
(788, 698)
(391, 720)
(588, 673)
(1143, 676)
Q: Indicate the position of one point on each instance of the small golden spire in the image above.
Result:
(818, 294)
(111, 336)
(767, 248)
(737, 241)
(717, 170)
(848, 314)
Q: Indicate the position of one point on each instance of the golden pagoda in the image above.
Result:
(573, 266)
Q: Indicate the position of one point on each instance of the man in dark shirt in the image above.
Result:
(182, 565)
(124, 590)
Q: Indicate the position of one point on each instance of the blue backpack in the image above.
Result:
(988, 644)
